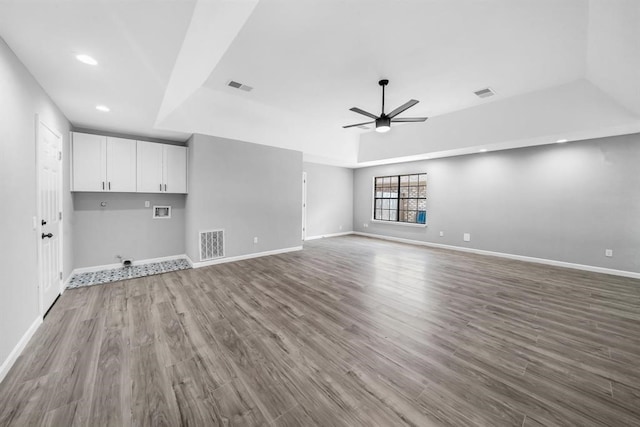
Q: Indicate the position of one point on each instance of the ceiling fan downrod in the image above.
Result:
(383, 83)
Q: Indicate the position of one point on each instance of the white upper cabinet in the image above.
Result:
(121, 165)
(161, 168)
(149, 169)
(89, 162)
(102, 163)
(175, 169)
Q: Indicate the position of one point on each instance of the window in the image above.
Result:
(401, 198)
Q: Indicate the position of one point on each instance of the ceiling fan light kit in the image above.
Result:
(383, 122)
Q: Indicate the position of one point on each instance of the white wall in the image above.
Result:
(125, 227)
(22, 98)
(329, 199)
(248, 190)
(564, 202)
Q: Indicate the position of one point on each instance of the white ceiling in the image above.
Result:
(561, 69)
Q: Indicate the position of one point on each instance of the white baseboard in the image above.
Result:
(118, 265)
(13, 356)
(322, 236)
(623, 273)
(242, 257)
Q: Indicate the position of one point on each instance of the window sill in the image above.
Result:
(404, 224)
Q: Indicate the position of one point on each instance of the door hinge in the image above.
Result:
(61, 275)
(59, 155)
(60, 216)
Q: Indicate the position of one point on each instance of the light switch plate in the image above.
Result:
(466, 237)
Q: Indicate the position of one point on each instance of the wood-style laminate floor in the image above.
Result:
(349, 332)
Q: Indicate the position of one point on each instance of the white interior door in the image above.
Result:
(304, 205)
(50, 214)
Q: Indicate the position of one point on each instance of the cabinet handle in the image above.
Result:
(165, 187)
(109, 185)
(103, 185)
(160, 187)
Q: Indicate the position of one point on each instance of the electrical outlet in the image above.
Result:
(255, 240)
(365, 225)
(466, 237)
(608, 252)
(441, 233)
(147, 204)
(340, 228)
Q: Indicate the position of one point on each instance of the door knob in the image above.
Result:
(49, 235)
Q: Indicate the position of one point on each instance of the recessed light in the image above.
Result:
(103, 108)
(483, 150)
(86, 59)
(560, 141)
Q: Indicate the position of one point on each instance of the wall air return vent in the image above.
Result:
(240, 86)
(484, 93)
(211, 244)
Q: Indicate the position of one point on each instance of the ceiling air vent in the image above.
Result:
(484, 93)
(240, 86)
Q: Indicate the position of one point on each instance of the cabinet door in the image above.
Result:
(89, 162)
(121, 165)
(175, 169)
(149, 170)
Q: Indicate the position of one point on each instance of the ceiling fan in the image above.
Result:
(383, 122)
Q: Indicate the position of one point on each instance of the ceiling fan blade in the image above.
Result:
(358, 110)
(403, 107)
(409, 119)
(357, 124)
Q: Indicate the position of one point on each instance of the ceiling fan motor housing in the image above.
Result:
(383, 121)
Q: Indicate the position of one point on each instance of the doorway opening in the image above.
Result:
(304, 205)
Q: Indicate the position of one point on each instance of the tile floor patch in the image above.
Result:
(122, 273)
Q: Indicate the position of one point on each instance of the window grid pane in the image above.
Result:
(401, 198)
